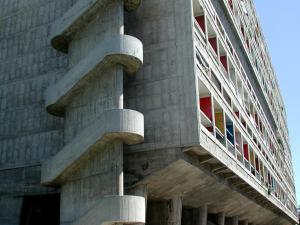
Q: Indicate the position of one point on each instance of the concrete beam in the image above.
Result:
(221, 218)
(116, 49)
(218, 168)
(202, 219)
(205, 158)
(122, 124)
(115, 209)
(175, 211)
(77, 17)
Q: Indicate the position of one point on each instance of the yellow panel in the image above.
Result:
(219, 121)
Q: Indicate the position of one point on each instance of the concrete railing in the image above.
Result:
(116, 124)
(117, 49)
(80, 14)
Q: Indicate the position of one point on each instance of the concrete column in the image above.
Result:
(142, 191)
(232, 221)
(202, 220)
(221, 218)
(235, 220)
(244, 222)
(174, 211)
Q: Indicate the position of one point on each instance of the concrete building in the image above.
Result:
(163, 112)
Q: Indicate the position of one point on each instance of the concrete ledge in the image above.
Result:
(117, 49)
(78, 16)
(116, 124)
(115, 210)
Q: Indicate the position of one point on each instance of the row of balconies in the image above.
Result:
(259, 51)
(229, 61)
(249, 30)
(220, 122)
(219, 132)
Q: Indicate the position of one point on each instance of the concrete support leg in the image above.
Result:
(235, 220)
(142, 191)
(244, 222)
(202, 220)
(221, 218)
(174, 211)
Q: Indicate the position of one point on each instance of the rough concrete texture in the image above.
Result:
(164, 90)
(115, 209)
(90, 165)
(117, 49)
(77, 17)
(28, 134)
(10, 210)
(82, 153)
(117, 124)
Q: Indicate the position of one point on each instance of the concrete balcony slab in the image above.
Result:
(117, 49)
(116, 124)
(78, 16)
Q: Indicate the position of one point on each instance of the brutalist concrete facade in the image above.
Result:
(102, 117)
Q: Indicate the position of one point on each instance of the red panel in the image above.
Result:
(237, 114)
(201, 21)
(246, 151)
(205, 106)
(213, 43)
(223, 60)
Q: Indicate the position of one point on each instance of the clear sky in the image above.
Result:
(280, 21)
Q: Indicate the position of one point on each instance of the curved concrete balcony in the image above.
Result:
(77, 17)
(115, 210)
(116, 124)
(118, 49)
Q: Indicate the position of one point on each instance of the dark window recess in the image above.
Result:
(216, 82)
(227, 98)
(202, 61)
(41, 209)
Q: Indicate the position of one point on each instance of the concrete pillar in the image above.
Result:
(235, 220)
(244, 222)
(142, 191)
(202, 220)
(232, 221)
(174, 211)
(221, 218)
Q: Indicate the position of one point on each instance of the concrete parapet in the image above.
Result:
(116, 49)
(115, 209)
(78, 16)
(116, 124)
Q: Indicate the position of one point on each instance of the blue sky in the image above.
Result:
(280, 21)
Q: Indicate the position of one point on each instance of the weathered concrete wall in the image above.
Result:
(99, 175)
(10, 210)
(28, 134)
(164, 90)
